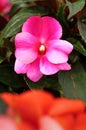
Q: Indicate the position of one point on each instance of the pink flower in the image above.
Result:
(4, 6)
(39, 50)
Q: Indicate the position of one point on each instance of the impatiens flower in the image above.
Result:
(39, 110)
(39, 49)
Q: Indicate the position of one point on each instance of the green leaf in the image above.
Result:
(77, 46)
(82, 26)
(2, 54)
(6, 50)
(16, 22)
(62, 18)
(15, 8)
(10, 78)
(74, 82)
(47, 82)
(20, 1)
(75, 7)
(3, 106)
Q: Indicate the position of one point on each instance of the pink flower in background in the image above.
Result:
(5, 7)
(39, 49)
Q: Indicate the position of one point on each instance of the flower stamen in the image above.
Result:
(42, 49)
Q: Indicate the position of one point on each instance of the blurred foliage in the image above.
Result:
(3, 107)
(72, 16)
(73, 82)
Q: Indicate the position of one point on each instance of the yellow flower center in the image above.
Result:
(42, 49)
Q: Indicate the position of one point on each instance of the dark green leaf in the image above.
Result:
(73, 82)
(2, 54)
(77, 46)
(3, 22)
(82, 26)
(16, 22)
(45, 82)
(10, 78)
(75, 7)
(20, 1)
(61, 17)
(6, 50)
(3, 106)
(14, 9)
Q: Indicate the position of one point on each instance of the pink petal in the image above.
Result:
(64, 66)
(26, 47)
(56, 56)
(26, 55)
(61, 45)
(51, 28)
(46, 67)
(45, 28)
(20, 68)
(3, 2)
(48, 123)
(6, 123)
(24, 40)
(33, 25)
(5, 6)
(33, 72)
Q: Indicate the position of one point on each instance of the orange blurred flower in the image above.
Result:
(39, 110)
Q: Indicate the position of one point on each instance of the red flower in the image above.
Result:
(39, 110)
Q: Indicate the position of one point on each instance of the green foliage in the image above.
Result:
(61, 17)
(3, 106)
(75, 7)
(9, 78)
(45, 81)
(78, 46)
(14, 26)
(72, 16)
(74, 82)
(16, 22)
(82, 25)
(20, 1)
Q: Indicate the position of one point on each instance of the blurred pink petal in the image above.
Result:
(5, 7)
(34, 72)
(48, 123)
(6, 123)
(46, 67)
(20, 67)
